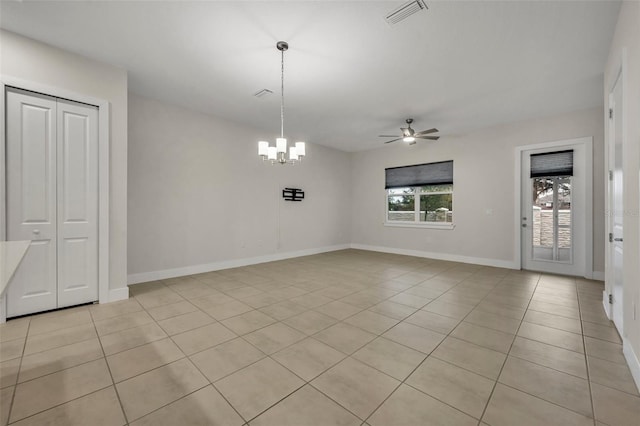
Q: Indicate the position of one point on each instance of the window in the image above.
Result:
(420, 195)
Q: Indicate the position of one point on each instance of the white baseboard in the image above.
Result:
(632, 361)
(605, 304)
(226, 264)
(441, 256)
(598, 275)
(118, 294)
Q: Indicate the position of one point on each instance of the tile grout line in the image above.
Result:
(551, 368)
(168, 337)
(338, 321)
(551, 344)
(588, 380)
(306, 337)
(62, 369)
(305, 382)
(495, 384)
(185, 356)
(429, 355)
(48, 374)
(549, 402)
(59, 405)
(364, 421)
(570, 350)
(272, 405)
(113, 383)
(15, 388)
(546, 366)
(586, 362)
(205, 377)
(58, 347)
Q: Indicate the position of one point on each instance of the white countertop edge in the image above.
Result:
(11, 254)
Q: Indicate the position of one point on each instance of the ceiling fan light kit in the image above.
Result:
(409, 135)
(278, 154)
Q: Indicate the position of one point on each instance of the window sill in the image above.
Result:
(447, 226)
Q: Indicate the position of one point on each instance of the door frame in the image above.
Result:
(103, 171)
(619, 74)
(588, 197)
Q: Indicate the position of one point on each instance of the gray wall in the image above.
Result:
(199, 194)
(484, 178)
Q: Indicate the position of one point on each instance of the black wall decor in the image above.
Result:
(292, 194)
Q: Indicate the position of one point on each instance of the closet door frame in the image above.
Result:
(103, 172)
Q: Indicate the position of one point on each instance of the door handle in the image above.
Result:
(619, 240)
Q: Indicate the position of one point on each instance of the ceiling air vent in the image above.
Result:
(262, 93)
(404, 11)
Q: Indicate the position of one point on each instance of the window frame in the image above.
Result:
(417, 193)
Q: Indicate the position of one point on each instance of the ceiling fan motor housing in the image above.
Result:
(408, 131)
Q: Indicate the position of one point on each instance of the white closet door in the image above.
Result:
(31, 199)
(77, 203)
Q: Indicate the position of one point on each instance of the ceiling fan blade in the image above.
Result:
(393, 140)
(387, 136)
(426, 132)
(431, 138)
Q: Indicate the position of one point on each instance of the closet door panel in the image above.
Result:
(77, 203)
(31, 199)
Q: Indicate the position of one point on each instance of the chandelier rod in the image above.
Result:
(282, 93)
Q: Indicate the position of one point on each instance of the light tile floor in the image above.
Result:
(344, 338)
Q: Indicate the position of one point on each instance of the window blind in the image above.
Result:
(558, 163)
(419, 175)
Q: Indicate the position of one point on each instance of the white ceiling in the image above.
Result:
(349, 76)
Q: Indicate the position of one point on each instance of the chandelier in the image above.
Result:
(278, 154)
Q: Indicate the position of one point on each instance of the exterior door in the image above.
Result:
(616, 204)
(553, 212)
(52, 179)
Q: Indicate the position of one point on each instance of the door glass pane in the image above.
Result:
(551, 218)
(542, 218)
(564, 218)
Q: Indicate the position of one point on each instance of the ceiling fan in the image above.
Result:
(409, 135)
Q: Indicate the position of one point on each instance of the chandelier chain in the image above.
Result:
(282, 94)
